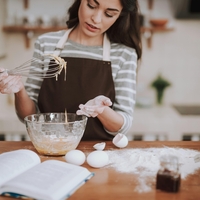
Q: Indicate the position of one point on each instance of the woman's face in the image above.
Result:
(96, 16)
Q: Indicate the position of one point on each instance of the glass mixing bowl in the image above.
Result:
(55, 133)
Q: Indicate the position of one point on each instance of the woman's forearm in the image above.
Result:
(23, 104)
(111, 120)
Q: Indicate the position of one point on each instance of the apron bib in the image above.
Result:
(86, 79)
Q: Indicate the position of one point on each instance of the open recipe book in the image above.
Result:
(22, 175)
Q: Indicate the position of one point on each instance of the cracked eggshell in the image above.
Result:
(76, 157)
(99, 146)
(120, 140)
(97, 159)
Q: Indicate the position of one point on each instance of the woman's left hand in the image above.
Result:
(94, 106)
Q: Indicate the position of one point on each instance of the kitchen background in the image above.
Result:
(170, 52)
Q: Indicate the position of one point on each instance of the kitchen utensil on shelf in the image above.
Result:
(158, 22)
(55, 133)
(50, 67)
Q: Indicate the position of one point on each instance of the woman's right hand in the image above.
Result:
(9, 84)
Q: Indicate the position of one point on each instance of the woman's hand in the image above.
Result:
(9, 84)
(94, 106)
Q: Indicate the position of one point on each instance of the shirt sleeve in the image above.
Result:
(33, 84)
(125, 90)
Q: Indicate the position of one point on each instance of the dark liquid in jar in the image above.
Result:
(168, 181)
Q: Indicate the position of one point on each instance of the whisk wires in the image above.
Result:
(50, 67)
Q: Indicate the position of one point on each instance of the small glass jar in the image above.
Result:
(168, 176)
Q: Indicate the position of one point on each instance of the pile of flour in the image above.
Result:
(145, 163)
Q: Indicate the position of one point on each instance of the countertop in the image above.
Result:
(109, 184)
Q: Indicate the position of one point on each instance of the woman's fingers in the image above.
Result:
(10, 84)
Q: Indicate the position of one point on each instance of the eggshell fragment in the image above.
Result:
(97, 159)
(100, 146)
(120, 140)
(75, 157)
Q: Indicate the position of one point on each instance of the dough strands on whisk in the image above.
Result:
(49, 68)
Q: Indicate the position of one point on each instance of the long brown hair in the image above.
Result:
(126, 29)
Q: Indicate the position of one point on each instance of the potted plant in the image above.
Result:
(160, 84)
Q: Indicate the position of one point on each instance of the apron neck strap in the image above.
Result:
(61, 43)
(106, 48)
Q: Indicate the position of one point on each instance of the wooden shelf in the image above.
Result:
(28, 29)
(31, 28)
(156, 29)
(39, 29)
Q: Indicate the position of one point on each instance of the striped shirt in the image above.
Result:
(123, 62)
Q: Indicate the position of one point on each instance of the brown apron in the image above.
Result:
(86, 79)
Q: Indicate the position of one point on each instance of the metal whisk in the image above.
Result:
(49, 68)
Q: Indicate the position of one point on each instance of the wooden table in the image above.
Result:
(108, 184)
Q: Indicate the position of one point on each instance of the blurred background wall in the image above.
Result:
(174, 53)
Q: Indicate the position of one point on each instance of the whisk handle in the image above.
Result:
(9, 72)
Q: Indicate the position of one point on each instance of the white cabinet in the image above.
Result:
(10, 126)
(163, 123)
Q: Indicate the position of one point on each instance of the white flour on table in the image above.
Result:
(145, 163)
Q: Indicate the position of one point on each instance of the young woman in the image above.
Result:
(101, 47)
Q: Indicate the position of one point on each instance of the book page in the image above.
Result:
(15, 162)
(50, 180)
